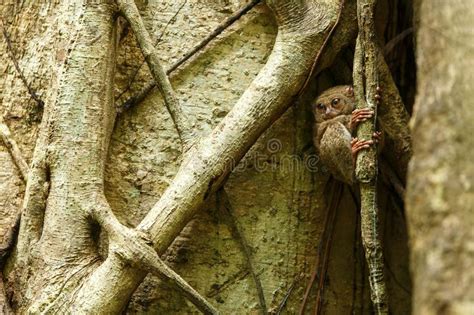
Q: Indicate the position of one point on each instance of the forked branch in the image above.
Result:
(13, 149)
(140, 96)
(303, 27)
(135, 248)
(5, 135)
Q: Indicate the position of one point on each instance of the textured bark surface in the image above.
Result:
(65, 185)
(208, 163)
(367, 90)
(440, 195)
(277, 200)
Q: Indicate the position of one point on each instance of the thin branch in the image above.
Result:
(135, 248)
(160, 269)
(140, 96)
(34, 203)
(314, 274)
(282, 304)
(366, 88)
(217, 31)
(320, 52)
(339, 188)
(22, 165)
(181, 122)
(391, 177)
(32, 93)
(358, 277)
(223, 198)
(320, 266)
(396, 40)
(135, 73)
(218, 288)
(13, 149)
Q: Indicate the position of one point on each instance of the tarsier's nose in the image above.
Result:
(328, 110)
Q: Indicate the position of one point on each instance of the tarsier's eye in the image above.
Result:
(335, 101)
(320, 106)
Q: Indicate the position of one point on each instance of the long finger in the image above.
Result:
(362, 115)
(376, 135)
(362, 112)
(355, 150)
(364, 144)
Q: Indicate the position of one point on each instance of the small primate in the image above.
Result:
(336, 121)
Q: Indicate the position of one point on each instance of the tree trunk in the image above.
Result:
(259, 243)
(440, 195)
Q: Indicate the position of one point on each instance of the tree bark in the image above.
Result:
(65, 190)
(440, 192)
(65, 184)
(366, 84)
(66, 51)
(208, 163)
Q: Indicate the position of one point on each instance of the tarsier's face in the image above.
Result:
(333, 102)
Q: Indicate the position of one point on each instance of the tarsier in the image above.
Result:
(336, 122)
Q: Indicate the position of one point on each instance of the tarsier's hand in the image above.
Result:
(357, 145)
(360, 115)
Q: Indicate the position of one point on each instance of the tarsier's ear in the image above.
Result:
(350, 90)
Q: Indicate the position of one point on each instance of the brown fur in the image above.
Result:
(332, 131)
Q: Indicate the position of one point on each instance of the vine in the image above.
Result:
(366, 88)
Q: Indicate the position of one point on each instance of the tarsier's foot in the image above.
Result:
(360, 115)
(376, 136)
(378, 95)
(357, 145)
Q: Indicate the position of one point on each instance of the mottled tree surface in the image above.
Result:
(276, 196)
(440, 195)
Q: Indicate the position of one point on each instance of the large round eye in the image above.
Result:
(335, 101)
(320, 106)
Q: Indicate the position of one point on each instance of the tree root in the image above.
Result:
(321, 264)
(135, 248)
(180, 120)
(31, 91)
(34, 205)
(223, 201)
(131, 80)
(30, 220)
(140, 96)
(22, 165)
(207, 164)
(13, 149)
